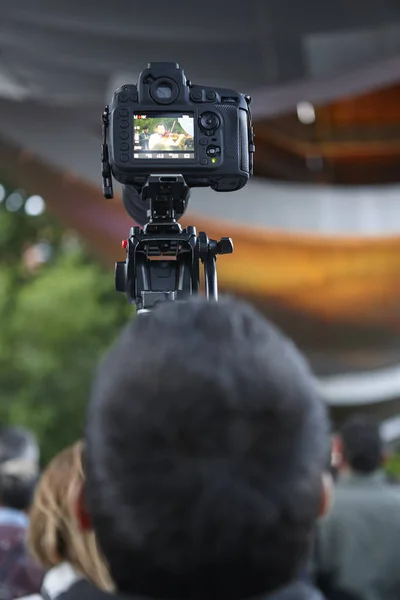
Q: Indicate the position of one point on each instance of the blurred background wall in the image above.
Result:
(316, 233)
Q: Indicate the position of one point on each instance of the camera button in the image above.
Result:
(124, 124)
(211, 96)
(122, 97)
(213, 151)
(124, 147)
(124, 135)
(134, 97)
(196, 95)
(124, 158)
(204, 161)
(123, 112)
(203, 141)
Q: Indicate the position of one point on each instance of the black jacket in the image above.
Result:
(83, 590)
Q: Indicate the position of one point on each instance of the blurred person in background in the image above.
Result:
(19, 470)
(205, 451)
(144, 138)
(54, 538)
(358, 543)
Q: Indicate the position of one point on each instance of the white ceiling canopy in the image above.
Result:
(67, 52)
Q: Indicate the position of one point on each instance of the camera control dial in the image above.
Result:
(209, 121)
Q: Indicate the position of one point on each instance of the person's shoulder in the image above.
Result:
(84, 590)
(390, 494)
(351, 502)
(299, 590)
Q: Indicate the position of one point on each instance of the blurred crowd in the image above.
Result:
(203, 474)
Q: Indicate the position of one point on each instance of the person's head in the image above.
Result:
(54, 535)
(160, 129)
(206, 444)
(145, 129)
(19, 467)
(361, 444)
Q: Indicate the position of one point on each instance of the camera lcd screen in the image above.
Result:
(164, 136)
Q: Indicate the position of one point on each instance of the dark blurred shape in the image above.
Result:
(358, 543)
(134, 205)
(19, 574)
(331, 592)
(19, 468)
(237, 467)
(362, 445)
(18, 447)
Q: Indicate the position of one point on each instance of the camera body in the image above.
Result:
(164, 124)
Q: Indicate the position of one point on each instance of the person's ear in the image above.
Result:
(338, 461)
(326, 495)
(78, 507)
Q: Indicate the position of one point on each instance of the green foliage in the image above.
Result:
(56, 323)
(392, 466)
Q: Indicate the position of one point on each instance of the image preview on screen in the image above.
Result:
(165, 136)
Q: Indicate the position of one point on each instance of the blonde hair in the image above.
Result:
(54, 535)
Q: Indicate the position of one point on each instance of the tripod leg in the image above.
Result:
(210, 278)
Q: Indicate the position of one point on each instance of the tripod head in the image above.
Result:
(168, 197)
(162, 259)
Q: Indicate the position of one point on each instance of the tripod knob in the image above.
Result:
(225, 246)
(120, 276)
(203, 245)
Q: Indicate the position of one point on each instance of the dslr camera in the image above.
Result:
(162, 137)
(165, 124)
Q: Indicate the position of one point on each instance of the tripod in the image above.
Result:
(162, 259)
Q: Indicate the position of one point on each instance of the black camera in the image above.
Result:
(162, 137)
(166, 124)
